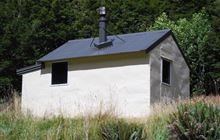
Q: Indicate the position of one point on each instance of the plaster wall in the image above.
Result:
(116, 83)
(180, 83)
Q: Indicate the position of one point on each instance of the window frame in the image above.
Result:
(63, 83)
(162, 67)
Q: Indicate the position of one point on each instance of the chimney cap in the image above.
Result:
(102, 11)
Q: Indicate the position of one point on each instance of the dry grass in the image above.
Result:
(206, 99)
(161, 109)
(158, 109)
(14, 104)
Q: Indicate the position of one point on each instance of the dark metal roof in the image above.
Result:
(124, 43)
(28, 69)
(143, 41)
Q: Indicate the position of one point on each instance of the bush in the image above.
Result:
(195, 121)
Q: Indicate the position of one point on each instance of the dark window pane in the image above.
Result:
(166, 72)
(59, 73)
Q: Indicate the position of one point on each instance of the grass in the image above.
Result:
(104, 126)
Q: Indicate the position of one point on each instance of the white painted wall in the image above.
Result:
(119, 81)
(180, 79)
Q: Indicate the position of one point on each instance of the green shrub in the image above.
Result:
(197, 121)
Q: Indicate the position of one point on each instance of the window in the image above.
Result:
(59, 73)
(166, 71)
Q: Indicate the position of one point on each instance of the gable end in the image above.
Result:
(169, 33)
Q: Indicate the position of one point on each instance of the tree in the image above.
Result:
(192, 35)
(214, 41)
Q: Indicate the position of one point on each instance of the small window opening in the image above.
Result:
(166, 71)
(59, 73)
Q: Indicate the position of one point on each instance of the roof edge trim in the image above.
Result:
(28, 69)
(159, 41)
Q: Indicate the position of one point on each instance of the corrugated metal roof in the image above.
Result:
(133, 42)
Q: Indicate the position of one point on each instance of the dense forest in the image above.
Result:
(30, 29)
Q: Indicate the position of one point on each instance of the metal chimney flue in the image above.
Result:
(103, 40)
(102, 25)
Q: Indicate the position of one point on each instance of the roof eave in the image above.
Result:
(28, 69)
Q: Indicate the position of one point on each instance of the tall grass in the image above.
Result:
(16, 126)
(102, 126)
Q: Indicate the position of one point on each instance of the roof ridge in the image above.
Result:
(137, 33)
